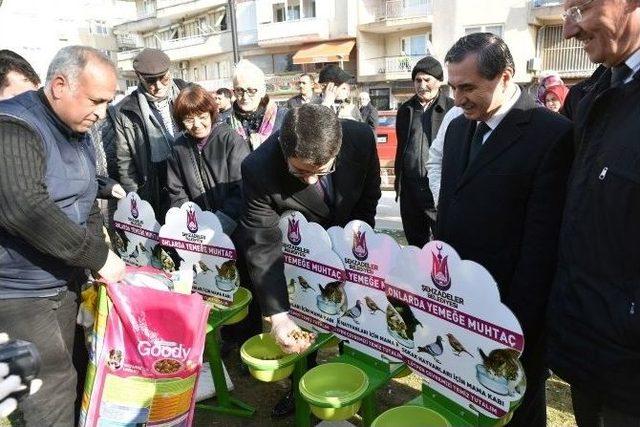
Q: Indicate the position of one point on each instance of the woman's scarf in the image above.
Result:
(260, 122)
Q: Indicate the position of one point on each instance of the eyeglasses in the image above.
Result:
(574, 13)
(150, 81)
(306, 174)
(239, 91)
(203, 118)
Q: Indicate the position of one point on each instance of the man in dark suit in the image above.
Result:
(326, 168)
(306, 83)
(417, 125)
(504, 169)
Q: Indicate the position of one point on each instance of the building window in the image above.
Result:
(224, 69)
(380, 98)
(278, 12)
(497, 29)
(99, 28)
(206, 72)
(264, 62)
(414, 45)
(150, 41)
(293, 11)
(220, 19)
(196, 74)
(309, 9)
(283, 63)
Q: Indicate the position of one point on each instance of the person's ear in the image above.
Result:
(59, 86)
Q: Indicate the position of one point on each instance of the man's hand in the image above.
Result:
(113, 269)
(330, 93)
(118, 192)
(283, 330)
(10, 384)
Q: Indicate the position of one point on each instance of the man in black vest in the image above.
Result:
(326, 168)
(504, 168)
(417, 124)
(47, 205)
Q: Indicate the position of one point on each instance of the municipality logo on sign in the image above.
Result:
(134, 209)
(360, 250)
(440, 270)
(293, 231)
(192, 221)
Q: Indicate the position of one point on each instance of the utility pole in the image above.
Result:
(234, 31)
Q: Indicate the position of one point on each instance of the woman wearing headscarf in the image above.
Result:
(205, 166)
(254, 115)
(554, 97)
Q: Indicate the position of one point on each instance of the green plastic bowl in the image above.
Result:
(265, 359)
(241, 298)
(334, 390)
(410, 416)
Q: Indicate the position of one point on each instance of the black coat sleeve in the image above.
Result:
(402, 119)
(531, 282)
(237, 151)
(261, 241)
(365, 207)
(176, 180)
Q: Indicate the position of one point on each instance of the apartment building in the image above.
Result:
(394, 34)
(287, 37)
(195, 34)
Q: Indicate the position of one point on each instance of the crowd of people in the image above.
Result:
(543, 191)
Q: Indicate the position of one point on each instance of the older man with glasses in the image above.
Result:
(146, 130)
(254, 116)
(319, 165)
(594, 307)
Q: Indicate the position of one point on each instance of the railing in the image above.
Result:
(395, 64)
(129, 41)
(395, 9)
(293, 28)
(567, 57)
(545, 3)
(186, 41)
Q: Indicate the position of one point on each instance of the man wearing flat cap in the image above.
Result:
(417, 124)
(145, 129)
(335, 92)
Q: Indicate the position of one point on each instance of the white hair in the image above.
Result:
(365, 95)
(248, 70)
(71, 60)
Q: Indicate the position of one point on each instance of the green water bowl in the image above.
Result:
(334, 390)
(410, 416)
(265, 359)
(241, 300)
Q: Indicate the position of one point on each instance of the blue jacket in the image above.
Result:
(71, 184)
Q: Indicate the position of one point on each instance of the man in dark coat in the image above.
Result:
(594, 309)
(326, 168)
(307, 95)
(504, 168)
(368, 112)
(145, 130)
(417, 124)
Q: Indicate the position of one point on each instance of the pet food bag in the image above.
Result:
(146, 354)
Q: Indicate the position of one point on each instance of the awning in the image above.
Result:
(324, 52)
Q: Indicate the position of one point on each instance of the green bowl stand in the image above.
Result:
(225, 403)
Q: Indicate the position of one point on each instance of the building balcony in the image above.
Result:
(290, 32)
(395, 15)
(186, 48)
(567, 57)
(173, 10)
(388, 68)
(543, 12)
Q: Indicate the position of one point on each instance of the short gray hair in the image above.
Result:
(71, 60)
(247, 69)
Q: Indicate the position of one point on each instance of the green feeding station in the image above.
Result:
(395, 310)
(191, 237)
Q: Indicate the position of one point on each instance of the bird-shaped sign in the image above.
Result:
(434, 349)
(304, 284)
(354, 312)
(372, 305)
(457, 346)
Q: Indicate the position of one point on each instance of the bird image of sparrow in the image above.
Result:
(291, 286)
(456, 346)
(354, 312)
(434, 349)
(304, 284)
(134, 253)
(143, 248)
(371, 304)
(204, 266)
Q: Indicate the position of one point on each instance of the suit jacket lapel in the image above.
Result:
(501, 138)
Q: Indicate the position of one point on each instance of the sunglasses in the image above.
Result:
(574, 14)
